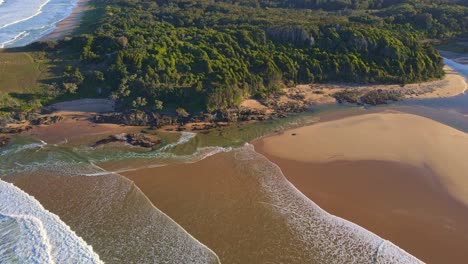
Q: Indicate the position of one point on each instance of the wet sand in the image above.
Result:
(240, 206)
(113, 216)
(66, 26)
(384, 180)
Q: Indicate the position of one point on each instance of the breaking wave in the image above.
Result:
(31, 234)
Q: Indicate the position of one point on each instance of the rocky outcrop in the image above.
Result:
(46, 120)
(146, 118)
(134, 139)
(372, 97)
(14, 130)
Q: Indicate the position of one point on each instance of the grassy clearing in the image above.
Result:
(22, 75)
(19, 72)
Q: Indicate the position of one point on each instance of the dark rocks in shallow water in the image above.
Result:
(134, 139)
(4, 141)
(142, 140)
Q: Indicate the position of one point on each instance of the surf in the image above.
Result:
(39, 235)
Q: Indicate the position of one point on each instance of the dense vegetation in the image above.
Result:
(211, 54)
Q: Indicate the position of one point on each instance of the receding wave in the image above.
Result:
(31, 234)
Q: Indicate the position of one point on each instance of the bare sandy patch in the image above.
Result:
(85, 105)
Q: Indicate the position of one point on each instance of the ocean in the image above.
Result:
(24, 21)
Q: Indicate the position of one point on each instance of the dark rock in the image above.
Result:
(46, 120)
(134, 139)
(4, 141)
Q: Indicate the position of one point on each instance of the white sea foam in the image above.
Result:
(184, 138)
(36, 13)
(24, 21)
(330, 239)
(19, 148)
(15, 38)
(20, 235)
(41, 234)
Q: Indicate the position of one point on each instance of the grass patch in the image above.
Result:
(20, 72)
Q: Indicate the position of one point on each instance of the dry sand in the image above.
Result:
(66, 26)
(399, 175)
(76, 128)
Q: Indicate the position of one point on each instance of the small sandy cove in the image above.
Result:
(76, 128)
(387, 136)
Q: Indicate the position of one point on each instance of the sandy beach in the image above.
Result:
(395, 174)
(65, 27)
(75, 126)
(225, 198)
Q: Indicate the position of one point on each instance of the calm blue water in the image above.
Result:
(24, 21)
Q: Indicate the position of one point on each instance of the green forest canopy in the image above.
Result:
(211, 54)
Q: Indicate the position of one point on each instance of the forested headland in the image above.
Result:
(207, 55)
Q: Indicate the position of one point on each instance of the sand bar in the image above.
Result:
(388, 136)
(399, 175)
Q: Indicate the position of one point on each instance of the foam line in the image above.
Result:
(42, 235)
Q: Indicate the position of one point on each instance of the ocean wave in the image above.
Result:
(120, 222)
(15, 38)
(37, 12)
(31, 234)
(24, 21)
(21, 235)
(330, 239)
(184, 138)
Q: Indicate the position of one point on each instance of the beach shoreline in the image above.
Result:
(392, 192)
(65, 27)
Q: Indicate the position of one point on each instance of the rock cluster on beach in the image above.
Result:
(23, 121)
(134, 139)
(372, 97)
(4, 141)
(148, 118)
